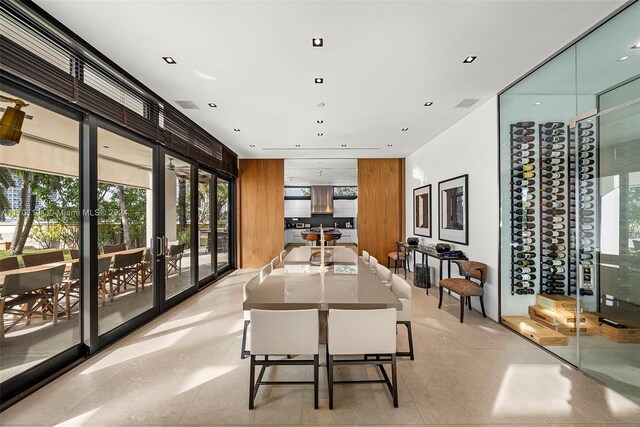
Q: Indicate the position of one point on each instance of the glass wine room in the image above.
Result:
(570, 198)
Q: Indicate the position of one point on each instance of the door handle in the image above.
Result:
(160, 246)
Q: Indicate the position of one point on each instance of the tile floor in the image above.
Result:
(183, 368)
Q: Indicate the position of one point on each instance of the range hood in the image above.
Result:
(321, 199)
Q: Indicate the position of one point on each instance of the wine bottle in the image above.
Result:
(523, 154)
(526, 248)
(525, 270)
(587, 125)
(524, 225)
(555, 269)
(553, 218)
(527, 138)
(553, 190)
(524, 175)
(586, 234)
(519, 190)
(554, 226)
(527, 205)
(554, 255)
(553, 168)
(550, 175)
(552, 262)
(552, 240)
(523, 131)
(523, 233)
(587, 140)
(555, 277)
(525, 276)
(524, 262)
(556, 211)
(553, 233)
(554, 147)
(554, 139)
(586, 155)
(553, 125)
(529, 218)
(522, 146)
(553, 197)
(525, 124)
(553, 154)
(553, 132)
(586, 162)
(585, 133)
(553, 204)
(557, 248)
(527, 241)
(586, 176)
(555, 161)
(522, 197)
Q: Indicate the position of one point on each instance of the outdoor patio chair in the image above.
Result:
(43, 258)
(109, 249)
(174, 258)
(10, 263)
(125, 271)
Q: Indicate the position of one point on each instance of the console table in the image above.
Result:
(426, 253)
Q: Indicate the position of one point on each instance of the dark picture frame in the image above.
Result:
(422, 224)
(453, 210)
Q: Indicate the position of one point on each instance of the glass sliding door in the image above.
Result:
(125, 229)
(206, 226)
(39, 241)
(178, 203)
(608, 241)
(222, 219)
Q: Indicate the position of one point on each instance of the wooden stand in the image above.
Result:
(534, 330)
(630, 334)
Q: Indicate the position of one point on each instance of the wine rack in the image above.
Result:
(584, 158)
(523, 206)
(554, 205)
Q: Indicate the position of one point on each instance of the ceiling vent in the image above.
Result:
(466, 103)
(187, 105)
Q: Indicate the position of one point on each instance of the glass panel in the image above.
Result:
(297, 192)
(205, 241)
(125, 220)
(178, 225)
(39, 223)
(345, 191)
(609, 243)
(222, 216)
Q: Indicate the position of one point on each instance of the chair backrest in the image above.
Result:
(21, 283)
(373, 263)
(474, 269)
(175, 250)
(400, 287)
(104, 264)
(75, 253)
(361, 331)
(264, 272)
(109, 249)
(74, 274)
(274, 263)
(282, 255)
(127, 260)
(250, 286)
(365, 257)
(285, 331)
(10, 263)
(383, 272)
(43, 258)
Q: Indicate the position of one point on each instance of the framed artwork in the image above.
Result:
(453, 210)
(422, 211)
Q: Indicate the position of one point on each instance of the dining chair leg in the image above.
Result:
(316, 368)
(410, 334)
(252, 380)
(482, 306)
(243, 352)
(441, 291)
(394, 379)
(67, 300)
(330, 380)
(461, 309)
(469, 302)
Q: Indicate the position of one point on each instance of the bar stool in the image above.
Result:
(311, 239)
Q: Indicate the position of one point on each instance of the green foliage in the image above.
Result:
(6, 181)
(184, 236)
(634, 212)
(110, 218)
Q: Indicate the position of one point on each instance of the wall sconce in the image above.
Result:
(11, 122)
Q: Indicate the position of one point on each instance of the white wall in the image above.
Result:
(468, 147)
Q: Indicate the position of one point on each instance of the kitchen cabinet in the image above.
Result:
(297, 208)
(344, 208)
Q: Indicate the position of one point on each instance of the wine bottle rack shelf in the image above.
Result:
(544, 193)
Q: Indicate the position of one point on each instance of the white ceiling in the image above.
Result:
(381, 62)
(321, 172)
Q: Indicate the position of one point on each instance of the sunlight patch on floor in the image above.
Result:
(203, 376)
(82, 419)
(138, 349)
(173, 324)
(544, 388)
(619, 405)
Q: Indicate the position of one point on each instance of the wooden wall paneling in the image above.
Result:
(261, 191)
(381, 207)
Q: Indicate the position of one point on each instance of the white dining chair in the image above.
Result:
(248, 288)
(275, 262)
(283, 332)
(384, 274)
(370, 333)
(365, 257)
(264, 272)
(402, 289)
(282, 255)
(373, 263)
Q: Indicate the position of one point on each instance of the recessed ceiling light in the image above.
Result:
(319, 121)
(251, 145)
(236, 129)
(344, 145)
(636, 46)
(320, 104)
(389, 145)
(405, 129)
(212, 105)
(320, 134)
(169, 60)
(105, 146)
(319, 80)
(428, 104)
(297, 145)
(469, 59)
(537, 103)
(624, 58)
(317, 42)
